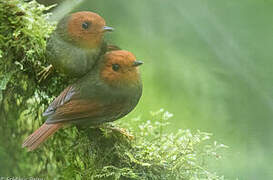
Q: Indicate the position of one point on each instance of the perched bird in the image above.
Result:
(110, 91)
(76, 44)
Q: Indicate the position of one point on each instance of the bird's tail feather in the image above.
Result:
(40, 135)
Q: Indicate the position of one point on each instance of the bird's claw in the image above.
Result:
(45, 73)
(122, 131)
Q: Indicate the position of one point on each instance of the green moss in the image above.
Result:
(23, 31)
(93, 153)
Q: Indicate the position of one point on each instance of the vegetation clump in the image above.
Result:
(153, 154)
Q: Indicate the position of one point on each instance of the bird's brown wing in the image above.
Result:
(64, 97)
(76, 109)
(68, 106)
(93, 110)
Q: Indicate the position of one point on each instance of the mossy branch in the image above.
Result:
(93, 153)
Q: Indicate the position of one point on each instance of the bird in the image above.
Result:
(108, 92)
(76, 44)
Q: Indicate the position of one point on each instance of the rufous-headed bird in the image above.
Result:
(76, 44)
(107, 93)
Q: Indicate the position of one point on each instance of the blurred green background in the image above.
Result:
(210, 63)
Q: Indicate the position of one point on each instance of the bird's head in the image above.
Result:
(120, 68)
(84, 29)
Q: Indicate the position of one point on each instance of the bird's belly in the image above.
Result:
(109, 114)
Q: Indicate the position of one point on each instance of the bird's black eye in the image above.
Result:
(115, 67)
(86, 25)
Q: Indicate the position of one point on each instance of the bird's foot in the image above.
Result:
(122, 131)
(45, 73)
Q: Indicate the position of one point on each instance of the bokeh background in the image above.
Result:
(208, 62)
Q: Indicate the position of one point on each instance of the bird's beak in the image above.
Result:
(107, 29)
(137, 63)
